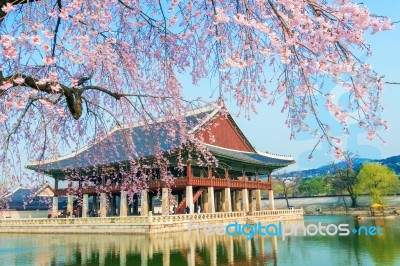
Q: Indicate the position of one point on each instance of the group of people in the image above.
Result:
(187, 209)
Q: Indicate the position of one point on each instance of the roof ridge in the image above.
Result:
(214, 107)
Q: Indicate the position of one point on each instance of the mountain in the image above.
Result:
(391, 162)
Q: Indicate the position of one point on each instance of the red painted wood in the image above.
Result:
(182, 183)
(222, 132)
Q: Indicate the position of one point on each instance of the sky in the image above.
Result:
(267, 131)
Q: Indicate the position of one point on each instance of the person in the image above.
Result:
(174, 209)
(198, 209)
(187, 210)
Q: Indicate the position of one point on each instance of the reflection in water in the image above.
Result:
(184, 249)
(160, 249)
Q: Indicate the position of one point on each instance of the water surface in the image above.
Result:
(199, 249)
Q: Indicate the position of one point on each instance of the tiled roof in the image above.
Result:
(131, 142)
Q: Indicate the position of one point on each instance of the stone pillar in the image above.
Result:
(227, 200)
(144, 204)
(210, 200)
(251, 201)
(85, 205)
(55, 207)
(123, 204)
(204, 198)
(258, 199)
(238, 206)
(103, 204)
(189, 198)
(165, 202)
(271, 199)
(70, 205)
(245, 200)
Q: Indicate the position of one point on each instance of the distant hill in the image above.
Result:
(391, 162)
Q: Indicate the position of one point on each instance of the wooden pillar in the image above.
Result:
(189, 170)
(226, 173)
(123, 204)
(85, 205)
(210, 172)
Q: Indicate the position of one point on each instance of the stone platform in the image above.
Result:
(142, 224)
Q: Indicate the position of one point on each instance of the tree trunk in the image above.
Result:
(287, 199)
(353, 201)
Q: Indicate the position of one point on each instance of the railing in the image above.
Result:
(276, 212)
(146, 219)
(182, 182)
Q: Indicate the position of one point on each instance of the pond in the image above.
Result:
(378, 243)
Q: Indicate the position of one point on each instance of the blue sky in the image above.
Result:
(267, 131)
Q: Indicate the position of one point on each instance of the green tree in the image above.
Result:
(286, 185)
(344, 180)
(314, 186)
(377, 180)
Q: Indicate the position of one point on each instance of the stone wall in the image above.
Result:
(142, 225)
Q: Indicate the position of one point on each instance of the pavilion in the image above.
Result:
(233, 185)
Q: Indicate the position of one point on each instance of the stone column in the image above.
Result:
(210, 200)
(204, 198)
(165, 202)
(85, 205)
(123, 204)
(245, 200)
(189, 198)
(238, 206)
(103, 204)
(251, 201)
(70, 205)
(144, 204)
(227, 200)
(55, 207)
(258, 199)
(271, 199)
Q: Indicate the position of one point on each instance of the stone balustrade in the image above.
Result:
(153, 219)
